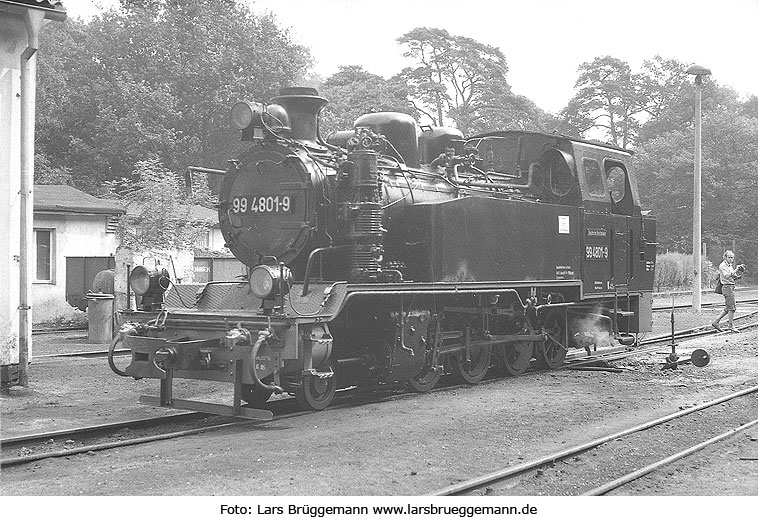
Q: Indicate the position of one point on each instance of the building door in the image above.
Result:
(80, 273)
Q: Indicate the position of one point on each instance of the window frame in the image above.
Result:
(203, 239)
(608, 167)
(50, 257)
(600, 192)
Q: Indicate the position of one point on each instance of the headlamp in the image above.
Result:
(150, 284)
(267, 281)
(244, 113)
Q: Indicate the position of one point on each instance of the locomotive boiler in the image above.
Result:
(389, 255)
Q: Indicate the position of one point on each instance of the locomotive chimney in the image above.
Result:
(303, 106)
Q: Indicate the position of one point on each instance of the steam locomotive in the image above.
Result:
(389, 255)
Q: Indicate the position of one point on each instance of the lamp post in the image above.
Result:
(699, 72)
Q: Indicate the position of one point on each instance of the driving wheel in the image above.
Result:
(551, 352)
(472, 371)
(426, 380)
(513, 359)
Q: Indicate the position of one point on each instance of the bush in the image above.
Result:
(673, 271)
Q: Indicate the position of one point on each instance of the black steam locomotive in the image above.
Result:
(385, 257)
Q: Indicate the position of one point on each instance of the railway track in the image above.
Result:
(617, 353)
(500, 481)
(719, 304)
(20, 450)
(42, 359)
(26, 449)
(63, 443)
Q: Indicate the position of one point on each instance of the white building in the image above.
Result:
(74, 238)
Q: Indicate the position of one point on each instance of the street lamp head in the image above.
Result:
(697, 69)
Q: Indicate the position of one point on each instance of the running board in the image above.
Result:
(255, 414)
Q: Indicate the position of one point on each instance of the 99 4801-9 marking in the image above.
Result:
(281, 203)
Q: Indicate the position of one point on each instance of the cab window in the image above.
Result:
(499, 154)
(616, 179)
(593, 177)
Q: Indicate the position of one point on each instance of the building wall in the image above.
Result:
(12, 42)
(74, 235)
(217, 240)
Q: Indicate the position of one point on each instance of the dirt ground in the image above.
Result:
(407, 446)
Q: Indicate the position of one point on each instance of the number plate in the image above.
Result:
(281, 204)
(596, 252)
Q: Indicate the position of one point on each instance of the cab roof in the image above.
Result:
(552, 135)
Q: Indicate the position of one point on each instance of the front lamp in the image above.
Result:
(150, 284)
(267, 281)
(244, 113)
(145, 280)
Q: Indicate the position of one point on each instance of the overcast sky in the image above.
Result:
(544, 41)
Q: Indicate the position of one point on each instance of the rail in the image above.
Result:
(509, 472)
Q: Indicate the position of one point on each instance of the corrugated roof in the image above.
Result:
(62, 198)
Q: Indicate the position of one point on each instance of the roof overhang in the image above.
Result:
(64, 211)
(20, 8)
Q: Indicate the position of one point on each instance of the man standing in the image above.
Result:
(728, 274)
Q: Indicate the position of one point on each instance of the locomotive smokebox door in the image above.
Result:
(265, 207)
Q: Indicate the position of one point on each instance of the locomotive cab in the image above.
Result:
(594, 179)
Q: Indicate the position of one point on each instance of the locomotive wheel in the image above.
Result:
(314, 392)
(474, 370)
(513, 359)
(550, 354)
(425, 381)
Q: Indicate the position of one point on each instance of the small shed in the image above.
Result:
(75, 237)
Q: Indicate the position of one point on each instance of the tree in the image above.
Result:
(465, 80)
(669, 95)
(352, 92)
(665, 166)
(430, 48)
(629, 108)
(730, 143)
(159, 211)
(609, 98)
(750, 108)
(156, 78)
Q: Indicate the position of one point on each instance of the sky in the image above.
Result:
(544, 41)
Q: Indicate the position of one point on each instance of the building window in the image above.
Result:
(203, 239)
(44, 240)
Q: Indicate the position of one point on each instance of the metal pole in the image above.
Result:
(696, 226)
(33, 21)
